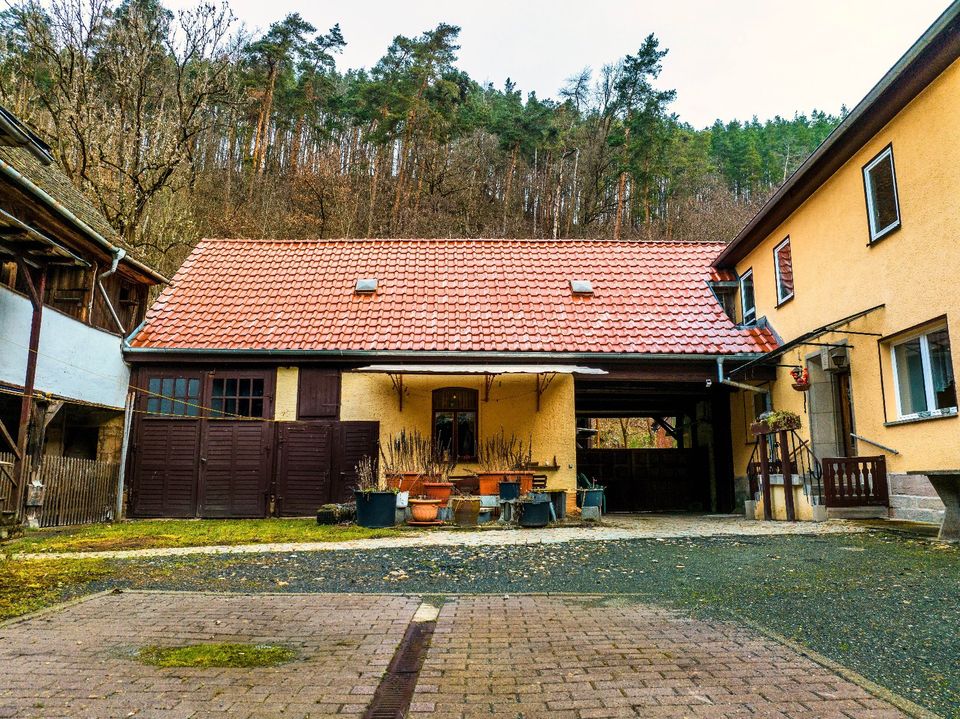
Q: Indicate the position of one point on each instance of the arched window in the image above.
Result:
(455, 422)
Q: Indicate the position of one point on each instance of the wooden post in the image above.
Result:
(22, 462)
(765, 478)
(787, 475)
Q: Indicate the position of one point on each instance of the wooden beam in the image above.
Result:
(787, 476)
(765, 477)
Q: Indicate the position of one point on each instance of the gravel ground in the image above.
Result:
(886, 606)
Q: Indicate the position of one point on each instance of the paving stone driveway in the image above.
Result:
(516, 657)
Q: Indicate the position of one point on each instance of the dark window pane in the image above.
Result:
(749, 303)
(443, 430)
(180, 388)
(941, 369)
(166, 388)
(218, 388)
(154, 385)
(257, 389)
(230, 406)
(153, 404)
(193, 391)
(216, 407)
(231, 388)
(256, 408)
(166, 406)
(244, 388)
(466, 434)
(882, 194)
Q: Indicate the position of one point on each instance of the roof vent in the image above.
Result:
(366, 286)
(581, 287)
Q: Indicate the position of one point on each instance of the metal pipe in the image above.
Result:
(738, 385)
(118, 255)
(884, 447)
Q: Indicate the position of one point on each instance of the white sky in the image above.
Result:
(737, 58)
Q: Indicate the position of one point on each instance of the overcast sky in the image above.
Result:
(736, 58)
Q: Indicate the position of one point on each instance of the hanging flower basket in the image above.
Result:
(801, 379)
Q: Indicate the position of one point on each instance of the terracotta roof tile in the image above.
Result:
(460, 295)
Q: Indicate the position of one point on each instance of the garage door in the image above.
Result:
(165, 469)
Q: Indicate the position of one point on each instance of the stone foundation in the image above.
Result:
(913, 498)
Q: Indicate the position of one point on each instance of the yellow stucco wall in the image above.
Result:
(802, 509)
(285, 397)
(912, 271)
(512, 407)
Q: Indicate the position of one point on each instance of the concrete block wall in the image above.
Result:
(913, 498)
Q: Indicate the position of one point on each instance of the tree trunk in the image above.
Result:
(507, 186)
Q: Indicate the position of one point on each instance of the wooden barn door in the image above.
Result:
(235, 469)
(165, 469)
(304, 466)
(356, 440)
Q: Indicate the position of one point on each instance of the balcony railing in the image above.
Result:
(855, 481)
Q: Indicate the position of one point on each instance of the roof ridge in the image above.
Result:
(546, 240)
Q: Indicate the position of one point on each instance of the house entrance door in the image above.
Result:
(844, 413)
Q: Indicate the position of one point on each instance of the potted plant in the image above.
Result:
(466, 510)
(771, 422)
(376, 507)
(402, 459)
(801, 379)
(504, 460)
(424, 511)
(437, 466)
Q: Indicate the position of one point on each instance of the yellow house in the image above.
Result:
(269, 368)
(854, 265)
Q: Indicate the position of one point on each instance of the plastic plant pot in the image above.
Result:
(591, 497)
(438, 490)
(376, 510)
(466, 511)
(424, 510)
(509, 490)
(534, 514)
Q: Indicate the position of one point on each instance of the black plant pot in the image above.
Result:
(534, 514)
(376, 510)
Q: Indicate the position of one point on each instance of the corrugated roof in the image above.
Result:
(446, 295)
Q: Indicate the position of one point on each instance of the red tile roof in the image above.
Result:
(454, 295)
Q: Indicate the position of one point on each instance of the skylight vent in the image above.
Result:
(366, 286)
(581, 288)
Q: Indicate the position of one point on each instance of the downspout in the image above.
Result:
(117, 256)
(739, 385)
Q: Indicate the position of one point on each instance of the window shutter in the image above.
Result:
(319, 395)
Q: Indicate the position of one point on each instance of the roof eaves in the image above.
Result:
(936, 50)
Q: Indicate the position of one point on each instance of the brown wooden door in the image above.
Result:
(356, 440)
(164, 469)
(235, 469)
(844, 414)
(304, 466)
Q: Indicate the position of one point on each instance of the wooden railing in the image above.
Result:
(855, 481)
(76, 491)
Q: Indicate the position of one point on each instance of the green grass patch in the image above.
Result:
(216, 655)
(29, 585)
(151, 534)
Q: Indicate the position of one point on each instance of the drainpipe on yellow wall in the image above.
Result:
(738, 385)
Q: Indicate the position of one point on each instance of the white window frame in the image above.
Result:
(875, 233)
(776, 270)
(743, 299)
(927, 375)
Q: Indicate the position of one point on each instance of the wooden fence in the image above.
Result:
(76, 491)
(855, 481)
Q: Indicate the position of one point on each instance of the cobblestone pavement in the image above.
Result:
(614, 526)
(519, 657)
(563, 658)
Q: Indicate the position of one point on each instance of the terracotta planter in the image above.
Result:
(490, 481)
(424, 510)
(411, 482)
(438, 490)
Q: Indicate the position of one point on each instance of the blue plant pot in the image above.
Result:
(376, 510)
(591, 497)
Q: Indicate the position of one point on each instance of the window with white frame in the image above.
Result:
(923, 370)
(748, 304)
(783, 266)
(880, 186)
